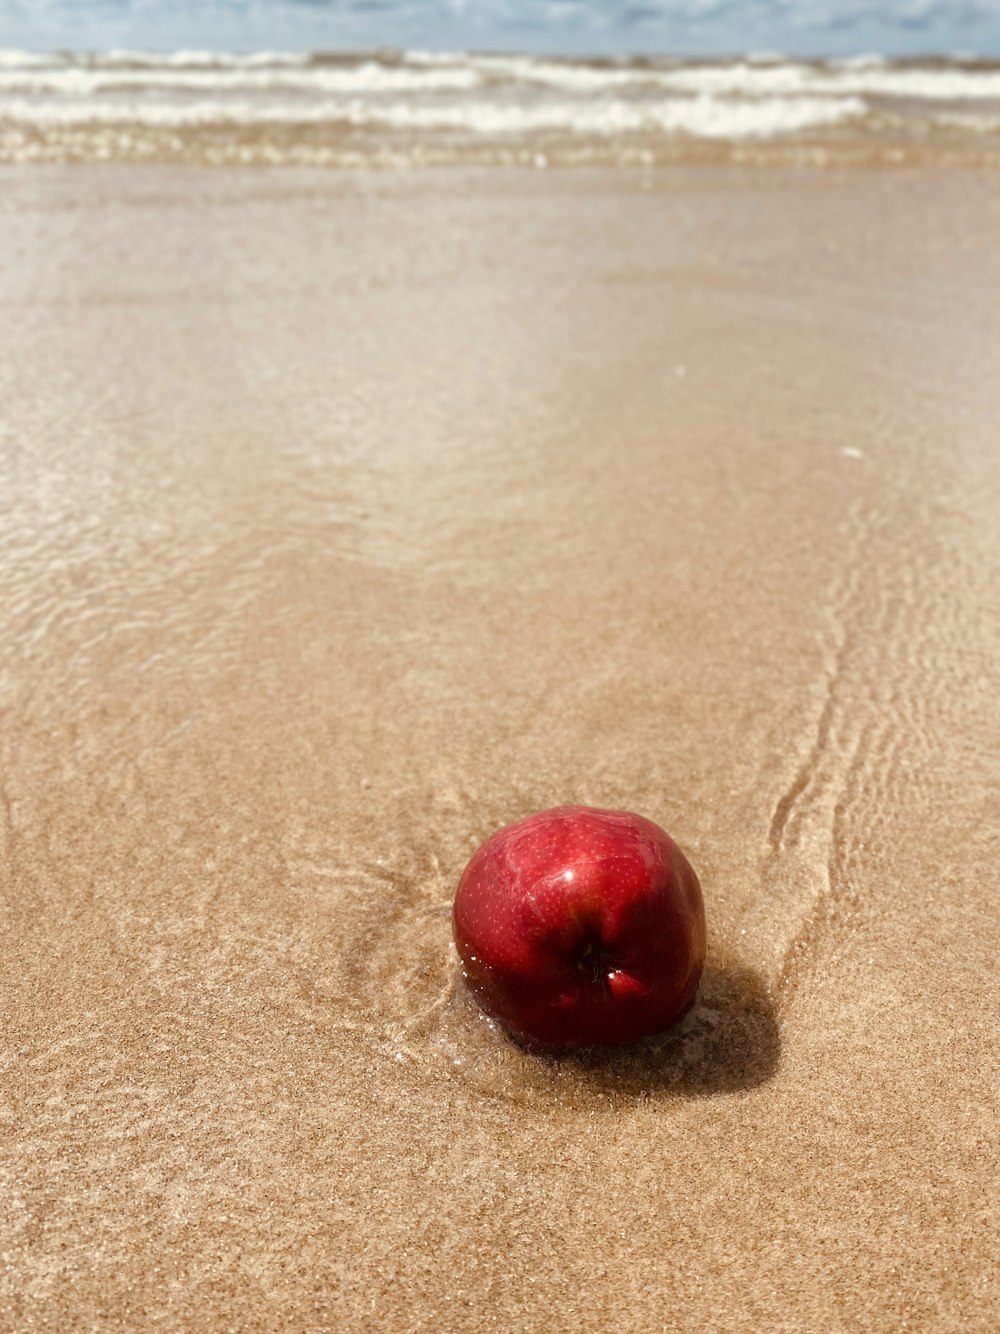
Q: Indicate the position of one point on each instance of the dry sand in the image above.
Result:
(345, 518)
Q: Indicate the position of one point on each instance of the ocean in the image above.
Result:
(419, 108)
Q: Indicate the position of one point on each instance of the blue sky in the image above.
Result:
(571, 26)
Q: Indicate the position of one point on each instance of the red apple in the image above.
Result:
(579, 926)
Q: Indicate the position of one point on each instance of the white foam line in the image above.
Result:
(701, 117)
(754, 77)
(366, 78)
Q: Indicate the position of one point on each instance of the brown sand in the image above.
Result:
(346, 518)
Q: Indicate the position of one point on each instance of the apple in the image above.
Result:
(579, 926)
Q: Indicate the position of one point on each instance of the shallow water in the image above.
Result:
(346, 518)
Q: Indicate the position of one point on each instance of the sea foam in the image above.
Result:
(431, 102)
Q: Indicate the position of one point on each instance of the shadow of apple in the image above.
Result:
(727, 1042)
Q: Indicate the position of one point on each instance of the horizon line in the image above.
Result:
(445, 51)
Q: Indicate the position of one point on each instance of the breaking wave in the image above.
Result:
(429, 105)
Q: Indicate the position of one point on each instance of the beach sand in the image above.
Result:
(347, 517)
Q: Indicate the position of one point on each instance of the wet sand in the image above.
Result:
(344, 518)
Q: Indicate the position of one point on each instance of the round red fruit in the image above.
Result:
(579, 926)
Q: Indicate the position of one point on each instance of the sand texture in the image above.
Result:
(344, 518)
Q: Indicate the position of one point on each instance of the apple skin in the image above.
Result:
(579, 927)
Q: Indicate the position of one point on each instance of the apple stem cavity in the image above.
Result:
(597, 964)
